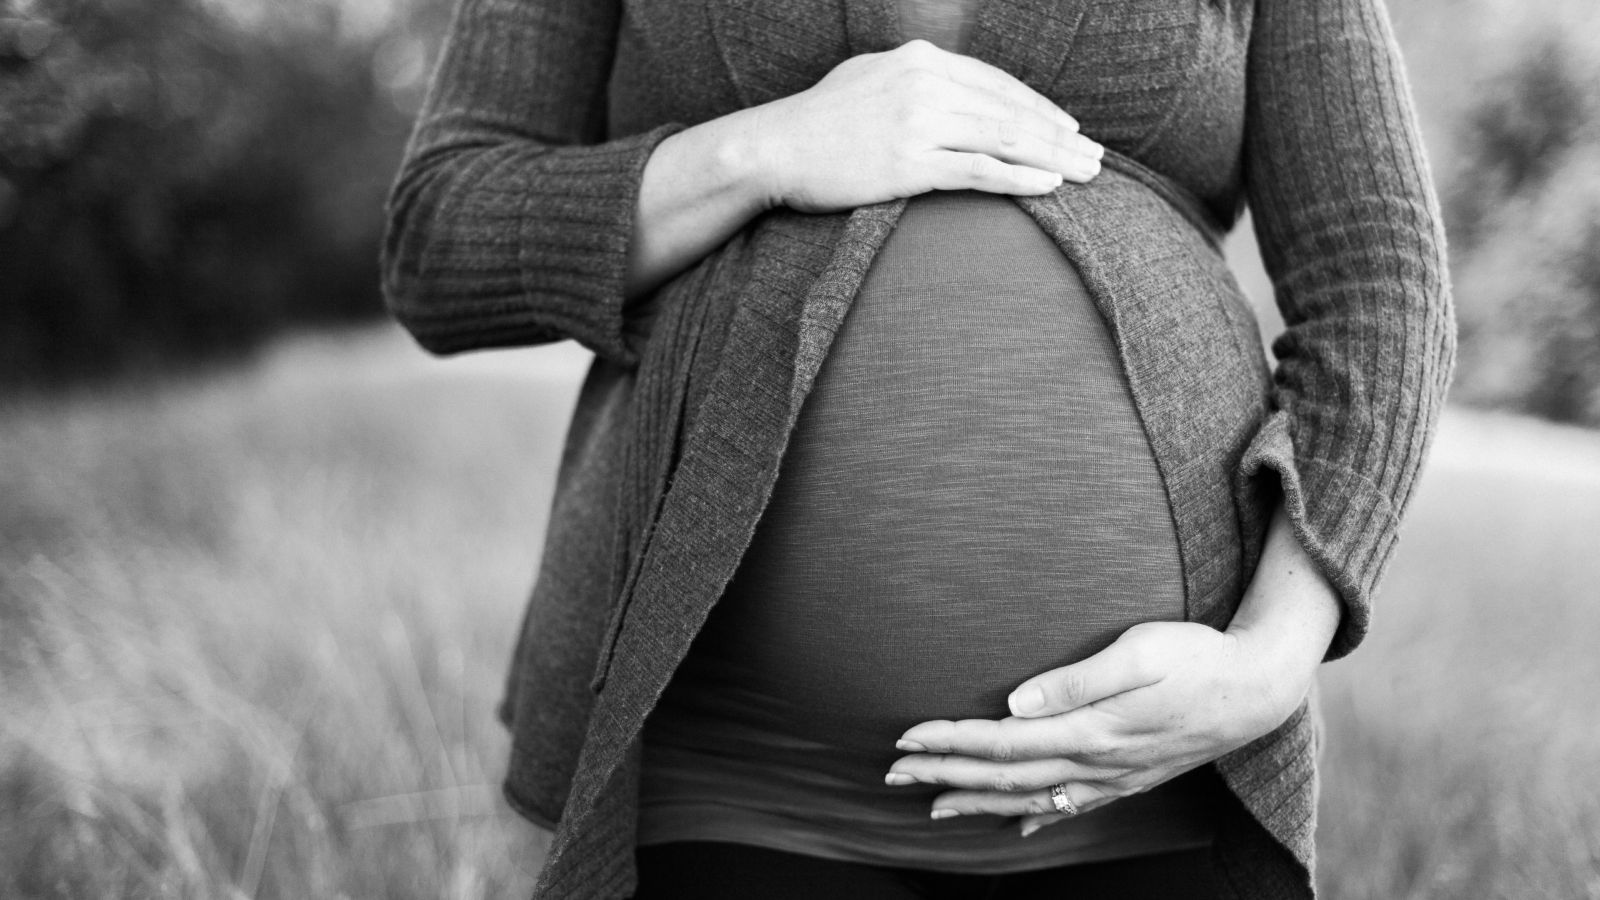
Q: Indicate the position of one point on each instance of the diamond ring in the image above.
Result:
(1064, 804)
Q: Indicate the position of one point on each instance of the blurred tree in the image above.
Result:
(1526, 120)
(178, 178)
(1523, 213)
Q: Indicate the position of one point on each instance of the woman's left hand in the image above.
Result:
(1164, 698)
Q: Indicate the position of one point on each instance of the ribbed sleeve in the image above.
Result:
(1350, 232)
(510, 220)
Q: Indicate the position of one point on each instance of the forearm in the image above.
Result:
(1289, 611)
(509, 219)
(699, 187)
(1351, 233)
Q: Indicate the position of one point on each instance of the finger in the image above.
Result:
(964, 100)
(1085, 796)
(973, 773)
(976, 73)
(1085, 736)
(1121, 667)
(1031, 824)
(1076, 157)
(955, 170)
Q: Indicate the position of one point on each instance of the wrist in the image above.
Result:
(747, 160)
(1280, 664)
(1288, 614)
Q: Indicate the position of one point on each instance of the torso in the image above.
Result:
(945, 23)
(968, 500)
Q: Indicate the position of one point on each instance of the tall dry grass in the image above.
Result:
(253, 630)
(1464, 736)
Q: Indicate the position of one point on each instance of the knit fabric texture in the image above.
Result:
(510, 222)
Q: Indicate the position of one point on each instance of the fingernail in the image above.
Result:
(898, 778)
(1027, 700)
(1030, 828)
(1083, 169)
(910, 746)
(1094, 149)
(943, 813)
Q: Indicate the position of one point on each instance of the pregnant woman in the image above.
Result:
(929, 486)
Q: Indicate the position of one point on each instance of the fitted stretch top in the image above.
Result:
(968, 500)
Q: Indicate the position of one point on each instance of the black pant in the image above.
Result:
(708, 870)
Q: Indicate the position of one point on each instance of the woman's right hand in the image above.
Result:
(909, 120)
(880, 126)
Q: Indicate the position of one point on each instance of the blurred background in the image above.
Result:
(261, 559)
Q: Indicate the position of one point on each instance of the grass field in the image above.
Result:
(252, 630)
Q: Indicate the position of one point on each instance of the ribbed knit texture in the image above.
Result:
(514, 237)
(1352, 237)
(510, 223)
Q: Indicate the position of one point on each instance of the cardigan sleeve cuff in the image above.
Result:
(1345, 523)
(571, 211)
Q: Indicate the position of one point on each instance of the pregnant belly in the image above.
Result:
(968, 500)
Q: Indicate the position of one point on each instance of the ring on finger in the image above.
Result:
(1063, 803)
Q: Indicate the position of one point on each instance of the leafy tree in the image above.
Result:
(179, 178)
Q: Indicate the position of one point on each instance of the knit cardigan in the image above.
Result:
(510, 221)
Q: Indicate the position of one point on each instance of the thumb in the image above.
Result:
(1123, 666)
